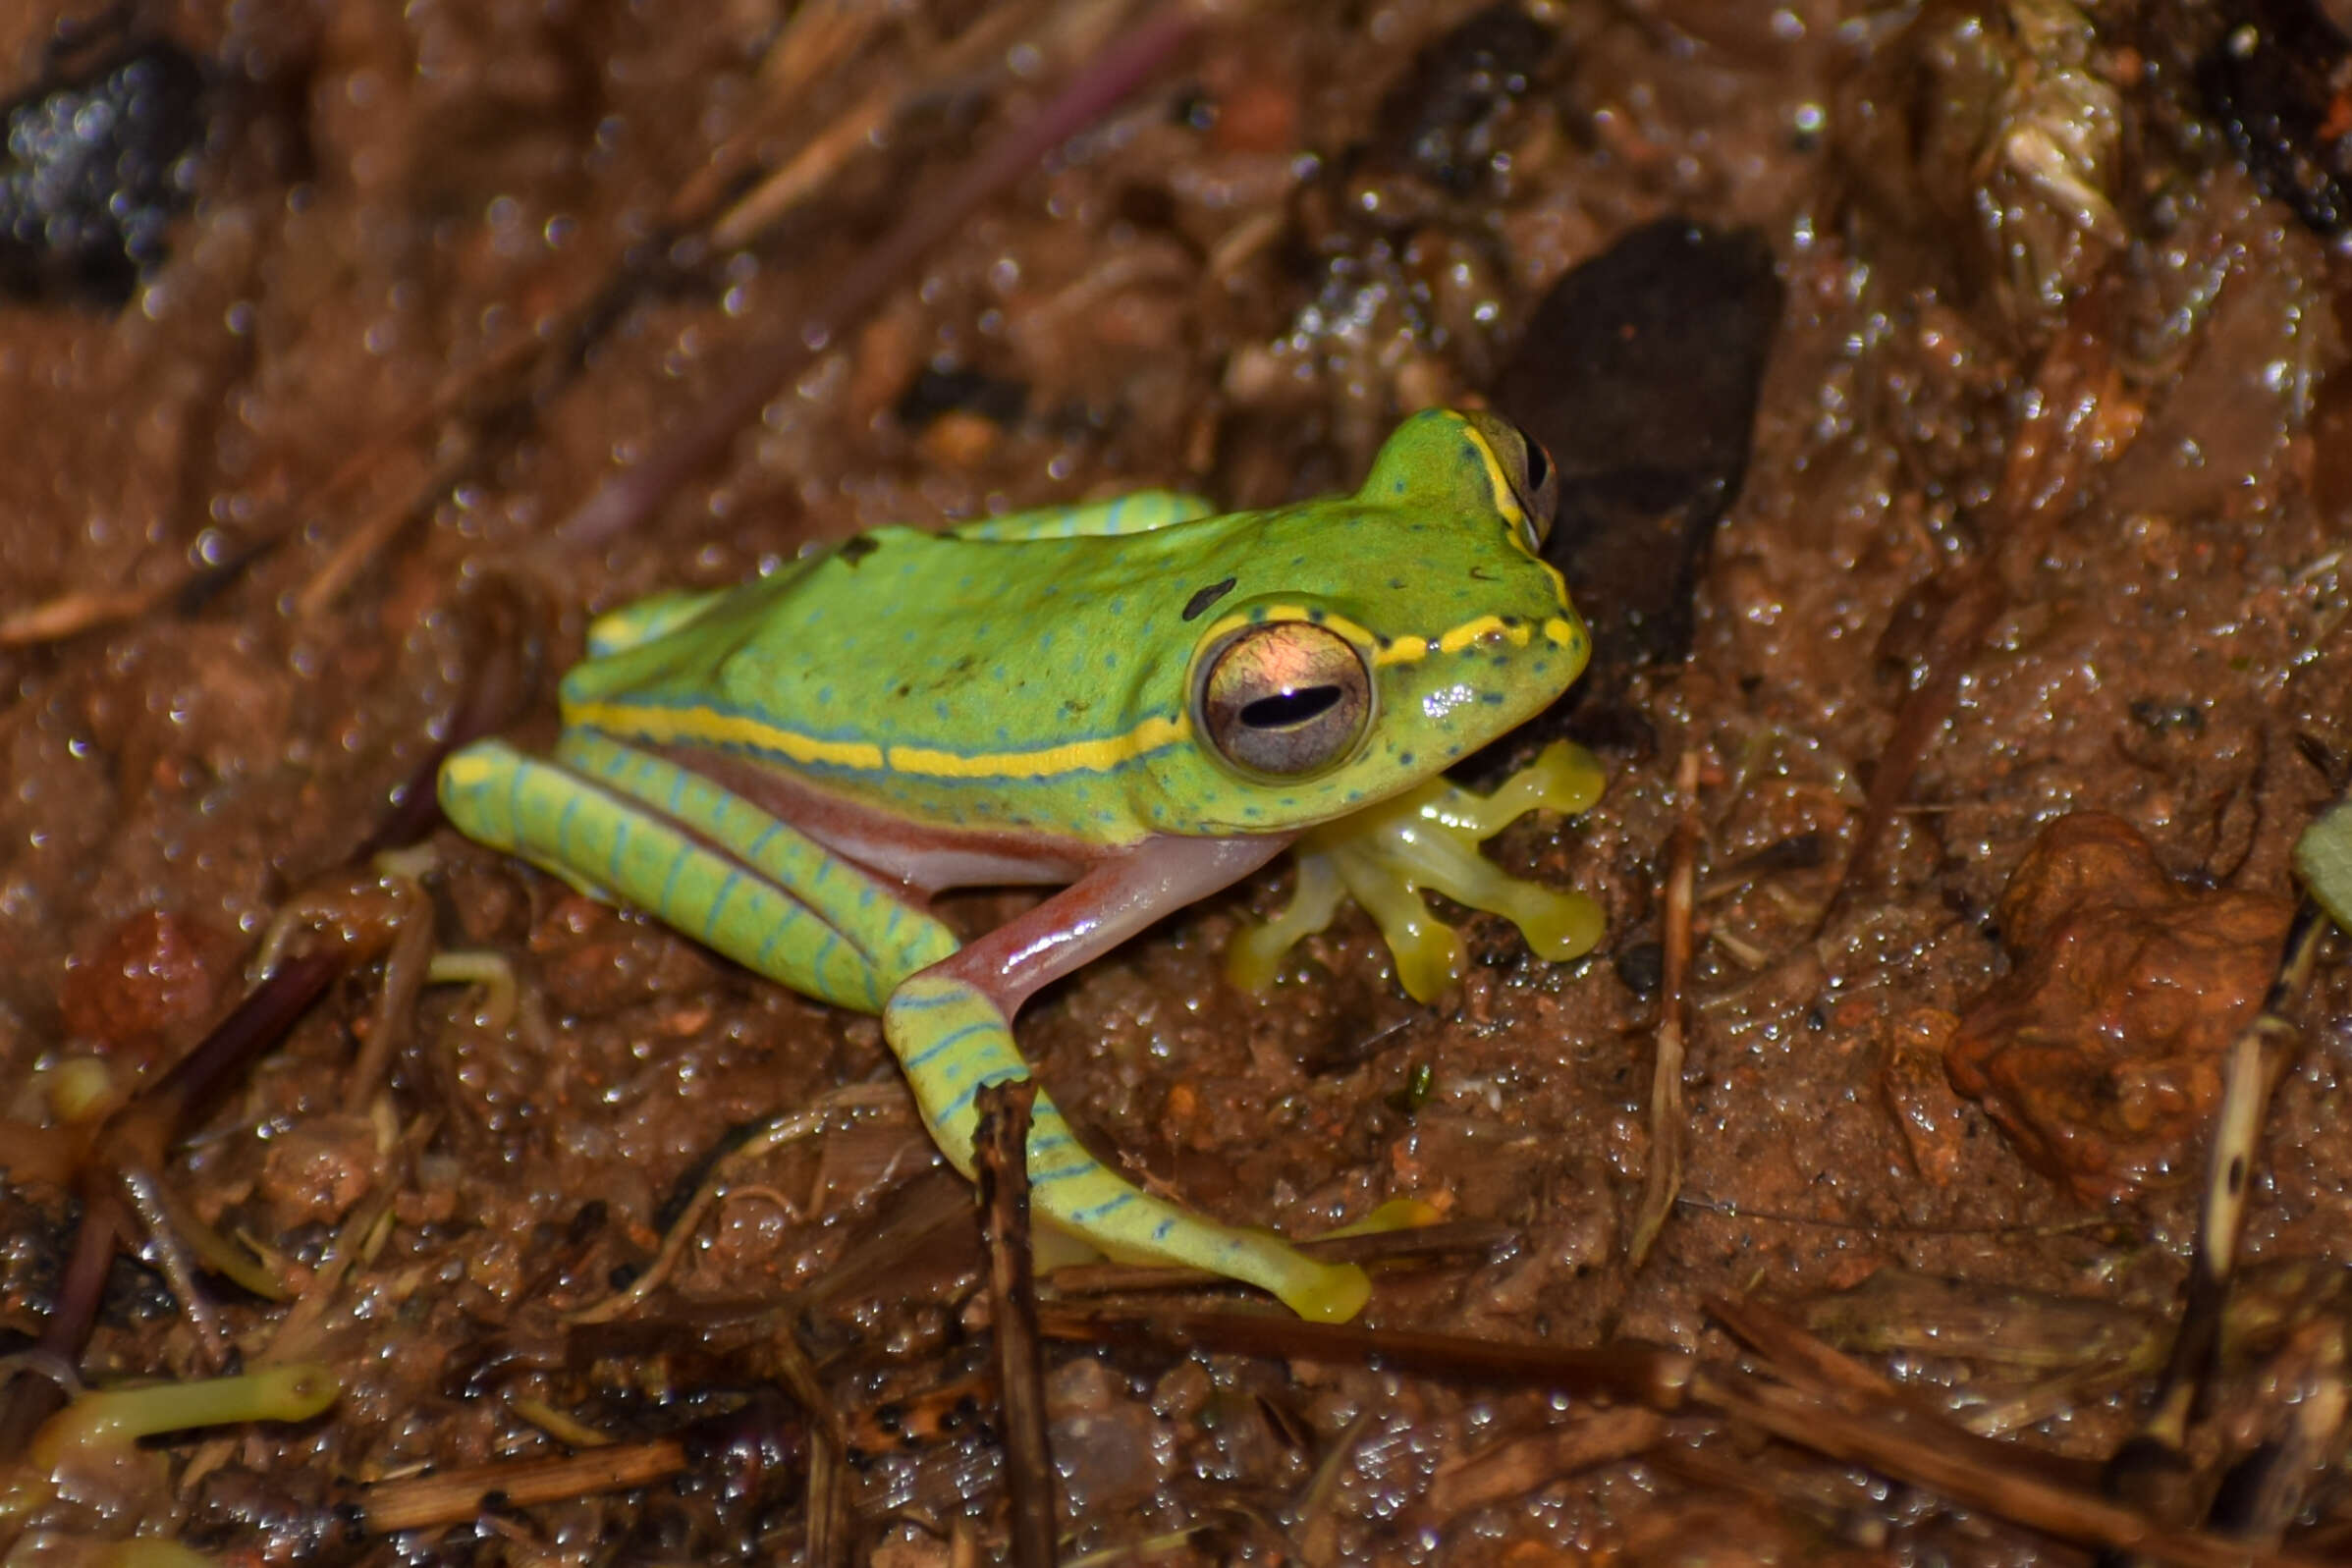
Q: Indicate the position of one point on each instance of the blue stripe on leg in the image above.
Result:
(947, 1042)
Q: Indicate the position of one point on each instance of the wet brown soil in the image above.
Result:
(2046, 351)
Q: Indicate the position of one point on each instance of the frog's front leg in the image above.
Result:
(951, 1028)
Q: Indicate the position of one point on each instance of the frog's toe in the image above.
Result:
(1253, 959)
(1384, 883)
(1559, 926)
(1429, 957)
(1331, 1294)
(1254, 956)
(1563, 778)
(1398, 1214)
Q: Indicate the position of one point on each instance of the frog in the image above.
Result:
(1138, 702)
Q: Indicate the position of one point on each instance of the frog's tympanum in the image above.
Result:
(1135, 700)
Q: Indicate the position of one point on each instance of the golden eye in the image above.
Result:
(1284, 699)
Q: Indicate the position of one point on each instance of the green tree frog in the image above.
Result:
(1135, 700)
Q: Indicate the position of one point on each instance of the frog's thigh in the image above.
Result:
(616, 821)
(952, 1029)
(1139, 512)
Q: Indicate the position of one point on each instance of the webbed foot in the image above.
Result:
(1428, 837)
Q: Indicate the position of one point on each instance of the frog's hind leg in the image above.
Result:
(1139, 512)
(952, 1029)
(640, 830)
(633, 826)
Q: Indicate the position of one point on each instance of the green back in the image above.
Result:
(1042, 684)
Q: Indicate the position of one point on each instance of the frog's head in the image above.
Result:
(1381, 637)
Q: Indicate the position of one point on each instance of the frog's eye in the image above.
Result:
(1528, 469)
(1538, 485)
(1284, 699)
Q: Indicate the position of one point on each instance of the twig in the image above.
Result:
(32, 1398)
(390, 1021)
(298, 1334)
(806, 172)
(765, 1434)
(1426, 1246)
(1815, 1366)
(1647, 1374)
(376, 528)
(772, 1134)
(454, 1496)
(828, 1505)
(1001, 1165)
(1935, 1457)
(819, 41)
(626, 499)
(145, 1127)
(1907, 1445)
(74, 612)
(1664, 1181)
(172, 1258)
(2147, 1468)
(1519, 1464)
(801, 1380)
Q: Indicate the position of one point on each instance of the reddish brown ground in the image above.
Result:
(403, 196)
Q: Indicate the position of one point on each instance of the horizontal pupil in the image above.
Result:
(1288, 708)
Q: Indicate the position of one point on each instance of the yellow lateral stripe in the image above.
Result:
(1564, 632)
(711, 727)
(1078, 756)
(707, 727)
